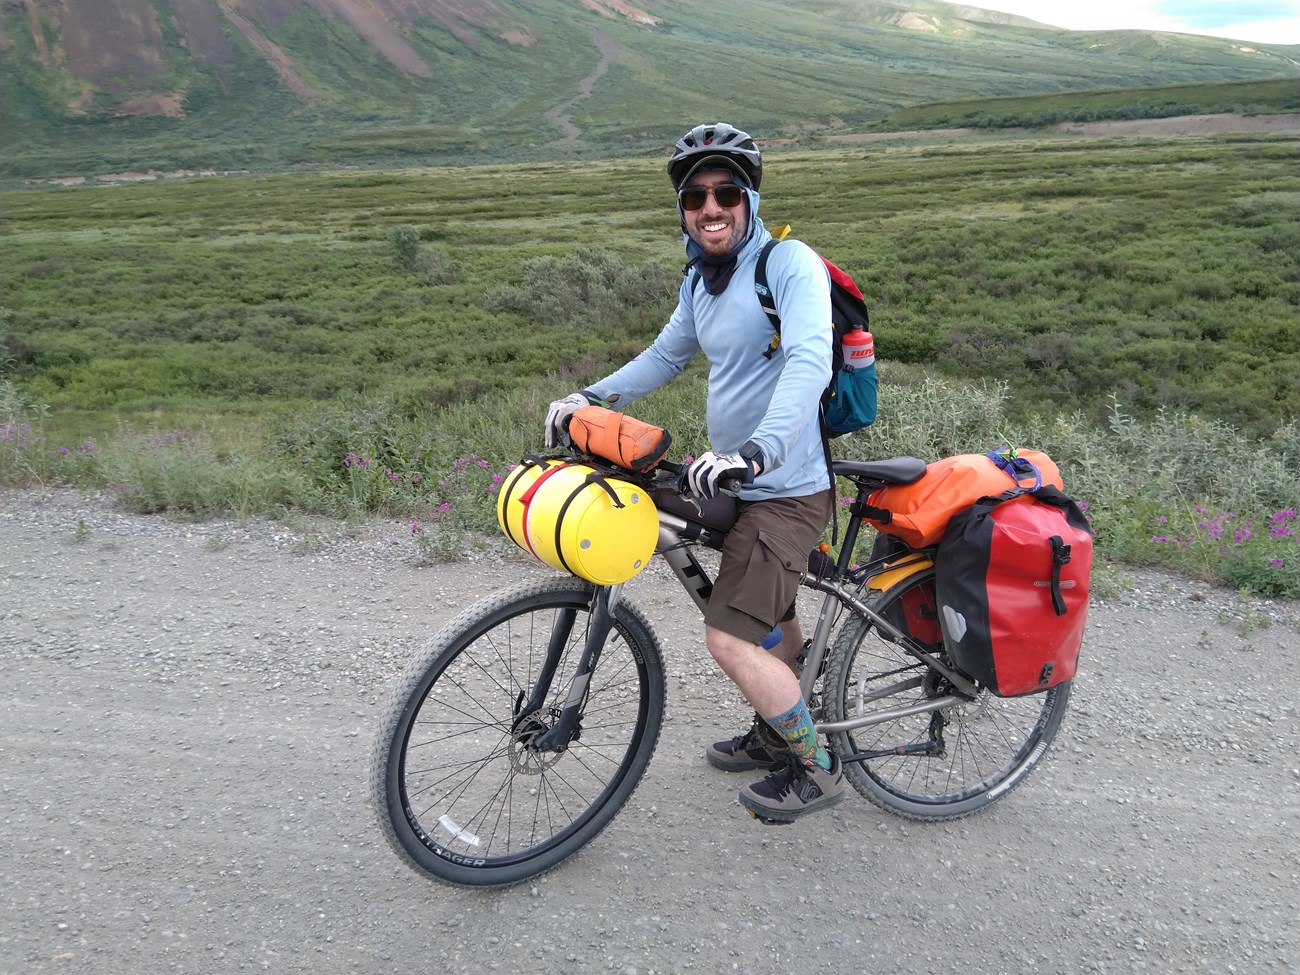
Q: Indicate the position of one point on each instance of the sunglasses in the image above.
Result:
(694, 197)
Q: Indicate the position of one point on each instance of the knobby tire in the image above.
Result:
(458, 794)
(989, 744)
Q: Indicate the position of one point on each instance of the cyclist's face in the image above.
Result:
(717, 229)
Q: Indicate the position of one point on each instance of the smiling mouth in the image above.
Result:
(713, 228)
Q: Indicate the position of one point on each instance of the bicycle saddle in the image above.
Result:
(895, 470)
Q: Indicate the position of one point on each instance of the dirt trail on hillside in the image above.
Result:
(1179, 125)
(562, 115)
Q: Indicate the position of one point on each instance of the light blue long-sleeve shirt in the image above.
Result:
(773, 402)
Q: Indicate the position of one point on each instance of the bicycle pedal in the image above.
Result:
(768, 822)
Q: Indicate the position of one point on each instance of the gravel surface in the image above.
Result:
(188, 712)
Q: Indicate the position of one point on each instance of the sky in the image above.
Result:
(1261, 21)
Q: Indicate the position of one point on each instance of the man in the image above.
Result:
(764, 431)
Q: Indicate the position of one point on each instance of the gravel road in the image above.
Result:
(188, 711)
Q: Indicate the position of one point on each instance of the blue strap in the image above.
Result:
(1017, 468)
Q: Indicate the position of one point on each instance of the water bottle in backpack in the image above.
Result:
(859, 348)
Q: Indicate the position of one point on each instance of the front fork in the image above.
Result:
(567, 727)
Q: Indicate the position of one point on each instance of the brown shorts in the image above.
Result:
(763, 558)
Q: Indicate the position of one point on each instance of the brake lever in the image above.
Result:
(679, 483)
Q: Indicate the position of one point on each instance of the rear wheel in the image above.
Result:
(939, 764)
(461, 793)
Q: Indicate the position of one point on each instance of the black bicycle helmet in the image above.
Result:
(718, 144)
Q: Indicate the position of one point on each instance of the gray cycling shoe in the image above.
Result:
(794, 789)
(746, 752)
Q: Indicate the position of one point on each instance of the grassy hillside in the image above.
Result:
(386, 342)
(778, 66)
(1159, 272)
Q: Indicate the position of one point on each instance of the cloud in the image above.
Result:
(1260, 21)
(1209, 15)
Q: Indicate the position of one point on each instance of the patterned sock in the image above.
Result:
(796, 727)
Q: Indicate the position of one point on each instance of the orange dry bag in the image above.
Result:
(919, 512)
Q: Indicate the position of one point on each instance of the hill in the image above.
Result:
(88, 86)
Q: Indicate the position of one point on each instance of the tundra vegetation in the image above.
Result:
(372, 342)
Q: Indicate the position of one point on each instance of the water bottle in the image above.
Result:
(859, 348)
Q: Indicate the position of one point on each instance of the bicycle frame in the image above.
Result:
(526, 723)
(675, 534)
(840, 583)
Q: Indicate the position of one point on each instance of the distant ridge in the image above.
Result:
(126, 83)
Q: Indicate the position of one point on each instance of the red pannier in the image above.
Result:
(1011, 579)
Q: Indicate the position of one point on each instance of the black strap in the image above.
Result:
(882, 515)
(1060, 557)
(767, 300)
(596, 477)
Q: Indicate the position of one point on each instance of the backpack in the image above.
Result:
(1011, 582)
(919, 512)
(849, 400)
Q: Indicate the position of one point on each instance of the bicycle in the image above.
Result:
(526, 723)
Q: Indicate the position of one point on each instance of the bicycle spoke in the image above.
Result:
(988, 743)
(466, 796)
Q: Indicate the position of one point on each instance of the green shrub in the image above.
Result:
(589, 288)
(405, 241)
(179, 472)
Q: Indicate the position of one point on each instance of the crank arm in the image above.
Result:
(920, 748)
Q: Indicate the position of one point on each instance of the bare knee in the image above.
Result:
(727, 651)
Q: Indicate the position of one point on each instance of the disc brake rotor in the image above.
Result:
(525, 758)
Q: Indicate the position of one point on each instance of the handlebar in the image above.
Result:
(667, 475)
(672, 475)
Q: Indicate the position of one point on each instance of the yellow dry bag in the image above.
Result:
(578, 520)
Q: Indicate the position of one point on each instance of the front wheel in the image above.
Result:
(928, 764)
(461, 793)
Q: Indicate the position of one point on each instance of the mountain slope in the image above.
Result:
(89, 84)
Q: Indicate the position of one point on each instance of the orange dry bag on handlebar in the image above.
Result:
(627, 442)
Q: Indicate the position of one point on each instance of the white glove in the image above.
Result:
(557, 418)
(710, 470)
